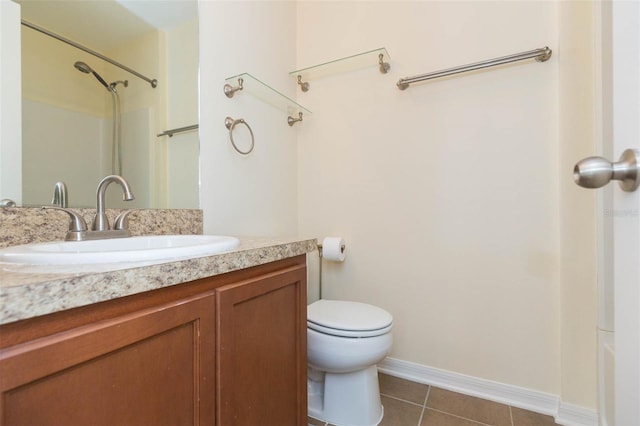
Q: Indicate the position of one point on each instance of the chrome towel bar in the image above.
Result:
(171, 132)
(541, 55)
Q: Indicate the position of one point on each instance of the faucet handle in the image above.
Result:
(77, 225)
(121, 221)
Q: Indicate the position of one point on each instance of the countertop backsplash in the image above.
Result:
(24, 225)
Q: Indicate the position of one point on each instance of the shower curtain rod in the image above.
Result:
(154, 82)
(541, 55)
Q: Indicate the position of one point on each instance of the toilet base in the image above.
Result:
(345, 399)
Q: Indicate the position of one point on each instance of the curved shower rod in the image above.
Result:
(153, 82)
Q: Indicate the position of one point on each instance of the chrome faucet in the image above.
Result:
(60, 195)
(100, 221)
(78, 230)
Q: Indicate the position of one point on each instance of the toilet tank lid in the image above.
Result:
(345, 315)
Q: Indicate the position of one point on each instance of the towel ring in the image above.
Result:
(230, 124)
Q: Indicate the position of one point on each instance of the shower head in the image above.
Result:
(83, 67)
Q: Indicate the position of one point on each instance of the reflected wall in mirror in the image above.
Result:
(84, 118)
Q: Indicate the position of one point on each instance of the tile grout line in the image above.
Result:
(424, 406)
(460, 417)
(400, 399)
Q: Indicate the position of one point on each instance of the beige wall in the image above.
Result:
(254, 194)
(182, 149)
(455, 197)
(577, 206)
(448, 193)
(49, 76)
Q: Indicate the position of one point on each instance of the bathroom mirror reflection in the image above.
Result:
(84, 118)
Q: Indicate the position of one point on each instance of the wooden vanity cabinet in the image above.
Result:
(262, 351)
(147, 367)
(226, 350)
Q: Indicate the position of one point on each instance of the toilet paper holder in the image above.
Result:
(319, 245)
(342, 248)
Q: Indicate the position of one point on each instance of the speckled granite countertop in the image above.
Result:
(29, 291)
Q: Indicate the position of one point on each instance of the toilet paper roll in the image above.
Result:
(333, 248)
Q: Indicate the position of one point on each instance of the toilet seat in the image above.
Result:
(348, 319)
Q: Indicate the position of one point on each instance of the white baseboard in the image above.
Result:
(528, 399)
(574, 415)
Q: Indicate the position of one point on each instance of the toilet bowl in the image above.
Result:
(345, 341)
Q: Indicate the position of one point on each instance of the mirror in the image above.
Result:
(84, 118)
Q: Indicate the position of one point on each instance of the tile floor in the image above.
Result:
(409, 403)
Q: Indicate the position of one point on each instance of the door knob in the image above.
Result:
(595, 172)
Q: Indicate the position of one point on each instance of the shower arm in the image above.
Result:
(153, 82)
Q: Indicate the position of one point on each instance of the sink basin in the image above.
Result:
(132, 249)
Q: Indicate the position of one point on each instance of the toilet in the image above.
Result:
(345, 341)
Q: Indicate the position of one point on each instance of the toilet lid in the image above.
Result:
(349, 319)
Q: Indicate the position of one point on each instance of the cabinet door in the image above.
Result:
(151, 367)
(262, 350)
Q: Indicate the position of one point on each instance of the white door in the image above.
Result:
(619, 218)
(626, 220)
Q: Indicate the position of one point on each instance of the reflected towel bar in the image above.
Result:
(171, 132)
(154, 82)
(541, 55)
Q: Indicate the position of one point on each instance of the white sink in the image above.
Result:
(132, 249)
